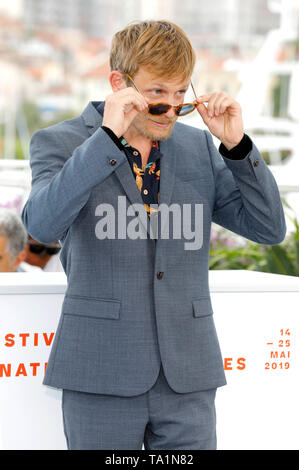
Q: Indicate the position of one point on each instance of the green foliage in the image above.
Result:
(34, 121)
(230, 252)
(34, 117)
(19, 150)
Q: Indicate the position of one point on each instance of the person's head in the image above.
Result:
(38, 254)
(13, 238)
(160, 58)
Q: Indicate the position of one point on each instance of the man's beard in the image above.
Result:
(141, 128)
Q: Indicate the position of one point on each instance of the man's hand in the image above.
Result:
(121, 107)
(223, 116)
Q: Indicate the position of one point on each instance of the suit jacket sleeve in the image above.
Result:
(247, 199)
(62, 182)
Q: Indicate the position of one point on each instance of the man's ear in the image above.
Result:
(117, 80)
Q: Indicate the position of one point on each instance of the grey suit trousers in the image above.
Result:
(161, 419)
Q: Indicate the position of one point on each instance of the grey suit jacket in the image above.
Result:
(120, 318)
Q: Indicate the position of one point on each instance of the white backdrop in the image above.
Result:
(258, 407)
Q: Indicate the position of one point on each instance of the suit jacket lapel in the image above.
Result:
(93, 121)
(167, 170)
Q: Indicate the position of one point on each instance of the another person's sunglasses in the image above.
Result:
(43, 249)
(161, 108)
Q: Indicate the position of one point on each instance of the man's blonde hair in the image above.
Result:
(161, 46)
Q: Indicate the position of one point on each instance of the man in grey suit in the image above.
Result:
(136, 351)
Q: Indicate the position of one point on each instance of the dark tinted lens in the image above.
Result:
(158, 108)
(187, 108)
(53, 250)
(37, 249)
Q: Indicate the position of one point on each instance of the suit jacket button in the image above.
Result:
(160, 275)
(113, 162)
(256, 163)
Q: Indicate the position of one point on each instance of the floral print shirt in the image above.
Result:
(147, 180)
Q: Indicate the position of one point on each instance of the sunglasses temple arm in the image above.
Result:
(133, 83)
(193, 90)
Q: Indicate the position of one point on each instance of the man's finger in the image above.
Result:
(128, 101)
(204, 98)
(203, 111)
(222, 104)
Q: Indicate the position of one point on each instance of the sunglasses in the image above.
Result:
(42, 249)
(157, 109)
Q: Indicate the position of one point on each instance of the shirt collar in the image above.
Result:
(155, 143)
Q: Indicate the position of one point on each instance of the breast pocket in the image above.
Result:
(91, 307)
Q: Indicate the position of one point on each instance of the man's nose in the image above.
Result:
(170, 113)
